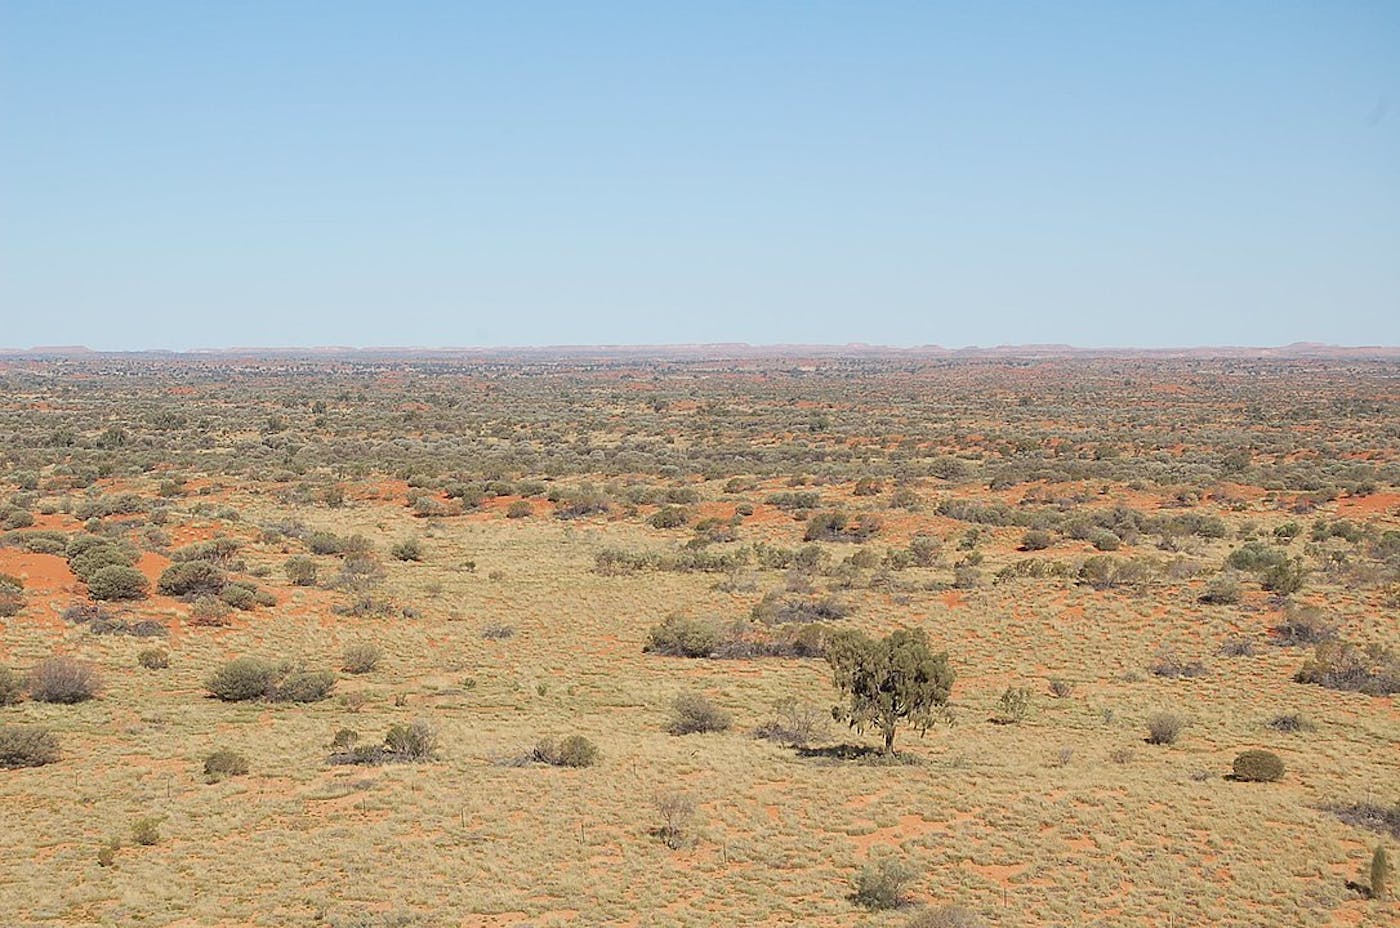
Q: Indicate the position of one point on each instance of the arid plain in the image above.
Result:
(473, 590)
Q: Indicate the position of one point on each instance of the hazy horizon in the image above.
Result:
(177, 177)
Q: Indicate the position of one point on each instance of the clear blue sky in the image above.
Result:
(190, 174)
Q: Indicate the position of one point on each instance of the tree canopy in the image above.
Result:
(889, 680)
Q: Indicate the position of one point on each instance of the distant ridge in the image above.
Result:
(723, 351)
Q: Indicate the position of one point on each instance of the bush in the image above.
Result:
(881, 884)
(1284, 578)
(669, 517)
(795, 724)
(63, 680)
(1013, 706)
(224, 764)
(210, 611)
(11, 595)
(241, 679)
(1036, 540)
(1164, 728)
(303, 686)
(361, 657)
(411, 742)
(91, 559)
(324, 543)
(677, 811)
(1341, 665)
(682, 636)
(1303, 626)
(573, 751)
(1258, 767)
(945, 916)
(118, 582)
(146, 831)
(27, 747)
(301, 570)
(1222, 590)
(1169, 664)
(191, 578)
(693, 713)
(11, 687)
(410, 549)
(519, 509)
(153, 659)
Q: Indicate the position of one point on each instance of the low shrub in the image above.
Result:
(1341, 665)
(945, 916)
(63, 680)
(683, 636)
(414, 742)
(1256, 766)
(693, 713)
(118, 582)
(153, 659)
(302, 686)
(22, 746)
(410, 549)
(1169, 664)
(224, 764)
(1303, 626)
(519, 509)
(146, 831)
(300, 570)
(11, 687)
(210, 611)
(573, 751)
(192, 579)
(677, 812)
(241, 679)
(882, 884)
(1164, 728)
(795, 724)
(361, 657)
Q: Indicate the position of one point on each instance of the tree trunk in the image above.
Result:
(889, 739)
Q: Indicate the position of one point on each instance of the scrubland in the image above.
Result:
(473, 593)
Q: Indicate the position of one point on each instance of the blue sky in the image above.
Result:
(290, 173)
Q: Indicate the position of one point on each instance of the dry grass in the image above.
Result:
(1028, 824)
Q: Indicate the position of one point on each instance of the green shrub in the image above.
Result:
(146, 831)
(683, 636)
(882, 883)
(11, 600)
(191, 579)
(63, 680)
(693, 713)
(242, 678)
(21, 746)
(11, 687)
(1256, 766)
(361, 657)
(301, 570)
(1013, 706)
(224, 764)
(324, 543)
(303, 686)
(93, 558)
(1380, 873)
(153, 659)
(411, 742)
(210, 611)
(410, 549)
(519, 509)
(669, 517)
(1036, 540)
(118, 582)
(573, 751)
